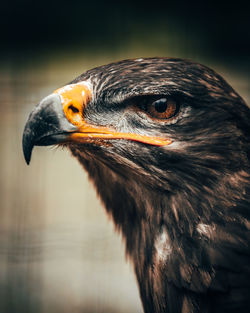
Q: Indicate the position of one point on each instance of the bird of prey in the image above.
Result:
(166, 143)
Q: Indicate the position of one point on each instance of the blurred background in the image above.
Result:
(58, 250)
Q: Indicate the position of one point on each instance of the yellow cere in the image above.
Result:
(74, 98)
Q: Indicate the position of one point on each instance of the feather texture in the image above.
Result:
(182, 209)
(196, 192)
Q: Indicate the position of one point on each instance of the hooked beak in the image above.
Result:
(46, 125)
(59, 118)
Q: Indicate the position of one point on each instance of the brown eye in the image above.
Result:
(162, 108)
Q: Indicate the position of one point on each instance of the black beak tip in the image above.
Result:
(46, 125)
(27, 147)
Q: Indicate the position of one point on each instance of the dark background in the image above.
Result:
(58, 250)
(216, 28)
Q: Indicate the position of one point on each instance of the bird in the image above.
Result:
(166, 143)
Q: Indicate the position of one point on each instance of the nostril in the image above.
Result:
(73, 109)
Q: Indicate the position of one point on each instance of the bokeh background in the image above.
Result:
(58, 250)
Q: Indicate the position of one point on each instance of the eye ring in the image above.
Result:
(163, 108)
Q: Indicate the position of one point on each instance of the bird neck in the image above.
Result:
(142, 212)
(160, 227)
(165, 232)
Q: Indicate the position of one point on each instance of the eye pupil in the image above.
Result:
(161, 105)
(163, 108)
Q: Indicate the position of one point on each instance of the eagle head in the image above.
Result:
(166, 144)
